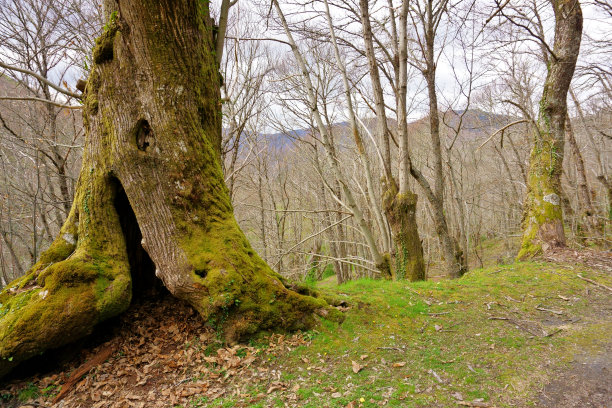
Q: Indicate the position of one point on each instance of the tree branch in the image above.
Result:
(40, 78)
(15, 98)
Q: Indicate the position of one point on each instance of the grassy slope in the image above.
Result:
(502, 362)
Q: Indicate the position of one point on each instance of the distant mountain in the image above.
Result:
(475, 124)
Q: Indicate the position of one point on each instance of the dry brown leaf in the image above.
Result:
(399, 364)
(356, 367)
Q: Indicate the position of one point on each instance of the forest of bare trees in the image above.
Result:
(361, 139)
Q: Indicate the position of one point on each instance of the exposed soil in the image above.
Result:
(586, 383)
(588, 380)
(600, 260)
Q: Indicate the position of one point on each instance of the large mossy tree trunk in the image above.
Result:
(400, 209)
(151, 169)
(543, 219)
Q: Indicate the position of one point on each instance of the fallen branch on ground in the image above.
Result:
(390, 348)
(475, 404)
(557, 312)
(594, 283)
(553, 333)
(80, 372)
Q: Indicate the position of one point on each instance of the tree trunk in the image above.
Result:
(543, 220)
(400, 205)
(588, 214)
(151, 169)
(381, 260)
(401, 213)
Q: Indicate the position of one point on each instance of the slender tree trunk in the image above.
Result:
(588, 213)
(453, 256)
(381, 116)
(401, 206)
(9, 245)
(381, 260)
(602, 177)
(543, 220)
(151, 169)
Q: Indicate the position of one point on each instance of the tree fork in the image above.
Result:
(152, 113)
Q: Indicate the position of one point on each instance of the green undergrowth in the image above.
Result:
(407, 334)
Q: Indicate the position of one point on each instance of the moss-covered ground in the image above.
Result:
(431, 343)
(495, 337)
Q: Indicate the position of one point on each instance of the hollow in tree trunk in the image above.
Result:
(150, 201)
(543, 219)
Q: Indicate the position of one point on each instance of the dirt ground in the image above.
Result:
(587, 383)
(588, 380)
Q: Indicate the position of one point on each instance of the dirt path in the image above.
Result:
(587, 383)
(588, 380)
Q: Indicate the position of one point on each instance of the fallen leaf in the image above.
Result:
(399, 364)
(457, 396)
(356, 367)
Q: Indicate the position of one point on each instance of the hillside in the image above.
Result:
(474, 124)
(527, 334)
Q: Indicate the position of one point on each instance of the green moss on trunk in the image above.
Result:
(81, 280)
(155, 66)
(401, 213)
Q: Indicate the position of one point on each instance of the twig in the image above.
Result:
(40, 78)
(312, 236)
(437, 314)
(432, 372)
(553, 333)
(564, 298)
(475, 404)
(517, 324)
(557, 312)
(390, 348)
(594, 283)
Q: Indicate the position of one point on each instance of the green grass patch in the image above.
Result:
(421, 343)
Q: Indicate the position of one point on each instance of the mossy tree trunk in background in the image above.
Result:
(150, 202)
(543, 222)
(399, 202)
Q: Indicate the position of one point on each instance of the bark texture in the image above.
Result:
(543, 220)
(399, 201)
(401, 213)
(151, 169)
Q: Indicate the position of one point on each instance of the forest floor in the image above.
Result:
(518, 335)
